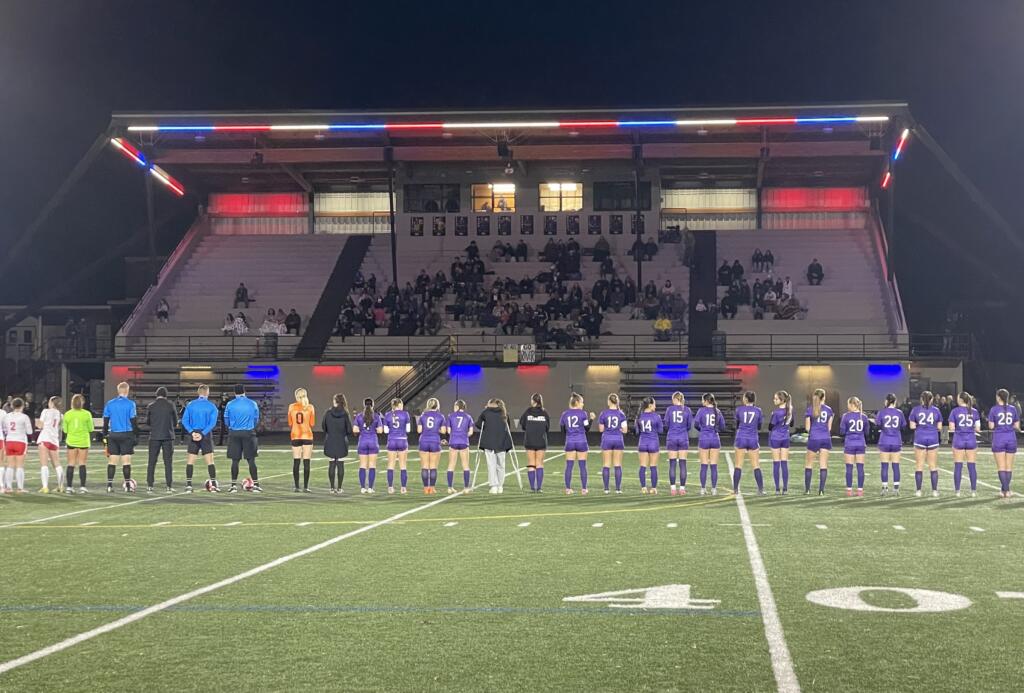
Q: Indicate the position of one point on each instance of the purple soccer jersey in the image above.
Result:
(709, 421)
(397, 423)
(779, 424)
(650, 426)
(854, 428)
(748, 420)
(927, 421)
(890, 422)
(964, 422)
(1004, 437)
(821, 424)
(368, 441)
(575, 423)
(613, 421)
(679, 421)
(432, 423)
(459, 425)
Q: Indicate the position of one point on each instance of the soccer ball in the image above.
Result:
(211, 486)
(247, 483)
(129, 485)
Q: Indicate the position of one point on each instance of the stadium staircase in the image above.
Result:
(702, 286)
(418, 378)
(693, 380)
(321, 324)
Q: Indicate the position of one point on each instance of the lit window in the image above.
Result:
(494, 197)
(561, 197)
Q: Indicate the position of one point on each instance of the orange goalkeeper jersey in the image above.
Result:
(300, 421)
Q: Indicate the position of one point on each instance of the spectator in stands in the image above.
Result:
(240, 327)
(725, 274)
(743, 293)
(522, 251)
(271, 325)
(758, 311)
(650, 289)
(629, 288)
(472, 251)
(434, 323)
(757, 292)
(788, 310)
(280, 315)
(358, 282)
(643, 249)
(757, 261)
(662, 328)
(729, 307)
(292, 322)
(242, 296)
(607, 267)
(769, 260)
(770, 298)
(371, 283)
(651, 306)
(700, 306)
(602, 250)
(229, 324)
(498, 252)
(163, 310)
(815, 273)
(787, 287)
(650, 248)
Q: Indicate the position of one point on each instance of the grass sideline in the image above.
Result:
(468, 595)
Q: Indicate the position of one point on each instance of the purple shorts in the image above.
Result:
(778, 443)
(430, 446)
(854, 450)
(576, 446)
(612, 444)
(368, 448)
(747, 442)
(458, 446)
(891, 447)
(819, 444)
(648, 446)
(678, 442)
(965, 442)
(709, 443)
(926, 441)
(1007, 444)
(398, 445)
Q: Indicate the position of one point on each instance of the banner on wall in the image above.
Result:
(527, 353)
(632, 224)
(550, 225)
(504, 225)
(526, 225)
(594, 224)
(572, 225)
(415, 226)
(440, 226)
(615, 224)
(462, 226)
(483, 226)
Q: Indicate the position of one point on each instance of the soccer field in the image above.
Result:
(473, 592)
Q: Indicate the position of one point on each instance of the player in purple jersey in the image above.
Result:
(678, 422)
(398, 424)
(575, 422)
(854, 428)
(778, 439)
(1004, 422)
(612, 424)
(649, 426)
(926, 423)
(368, 425)
(430, 427)
(709, 422)
(748, 426)
(818, 420)
(890, 422)
(964, 427)
(460, 428)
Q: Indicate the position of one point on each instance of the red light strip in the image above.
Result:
(901, 144)
(128, 150)
(886, 179)
(166, 178)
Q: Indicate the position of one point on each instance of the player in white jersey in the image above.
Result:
(17, 430)
(3, 455)
(49, 426)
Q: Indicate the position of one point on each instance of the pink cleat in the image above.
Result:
(672, 491)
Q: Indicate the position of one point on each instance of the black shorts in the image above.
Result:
(203, 446)
(121, 444)
(299, 442)
(242, 444)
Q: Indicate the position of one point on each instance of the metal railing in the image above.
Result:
(420, 375)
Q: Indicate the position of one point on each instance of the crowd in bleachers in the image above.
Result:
(274, 323)
(769, 295)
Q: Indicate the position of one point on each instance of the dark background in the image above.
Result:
(66, 65)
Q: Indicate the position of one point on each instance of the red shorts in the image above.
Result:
(14, 448)
(49, 445)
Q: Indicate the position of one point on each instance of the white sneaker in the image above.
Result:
(703, 491)
(501, 489)
(917, 494)
(714, 491)
(957, 494)
(935, 494)
(362, 490)
(974, 494)
(493, 490)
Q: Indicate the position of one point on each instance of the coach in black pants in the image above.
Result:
(163, 421)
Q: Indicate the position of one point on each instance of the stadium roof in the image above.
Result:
(826, 144)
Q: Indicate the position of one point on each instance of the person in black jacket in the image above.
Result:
(535, 423)
(163, 421)
(495, 441)
(337, 424)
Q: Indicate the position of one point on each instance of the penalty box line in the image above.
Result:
(188, 596)
(782, 662)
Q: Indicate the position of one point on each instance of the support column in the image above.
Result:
(151, 228)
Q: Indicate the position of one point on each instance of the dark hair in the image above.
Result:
(1003, 395)
(367, 412)
(786, 399)
(890, 399)
(340, 402)
(966, 398)
(18, 403)
(161, 392)
(927, 397)
(645, 403)
(613, 398)
(239, 389)
(537, 400)
(749, 397)
(708, 399)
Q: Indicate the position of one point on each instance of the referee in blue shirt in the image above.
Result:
(120, 426)
(199, 420)
(241, 416)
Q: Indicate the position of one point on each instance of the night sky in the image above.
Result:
(66, 65)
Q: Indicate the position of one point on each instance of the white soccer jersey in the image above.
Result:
(17, 427)
(3, 429)
(50, 430)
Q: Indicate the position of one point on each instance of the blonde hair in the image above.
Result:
(55, 402)
(817, 399)
(301, 396)
(678, 398)
(575, 399)
(203, 390)
(122, 387)
(433, 404)
(77, 401)
(613, 400)
(855, 402)
(397, 402)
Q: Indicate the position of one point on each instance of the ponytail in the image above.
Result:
(708, 399)
(367, 412)
(1003, 396)
(890, 399)
(927, 397)
(786, 400)
(817, 399)
(613, 399)
(537, 400)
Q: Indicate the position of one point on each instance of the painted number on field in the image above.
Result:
(661, 597)
(925, 601)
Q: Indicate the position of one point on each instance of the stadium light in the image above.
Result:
(135, 155)
(901, 144)
(129, 151)
(166, 178)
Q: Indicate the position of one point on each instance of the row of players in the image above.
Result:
(200, 417)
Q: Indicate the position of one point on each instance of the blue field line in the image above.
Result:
(355, 609)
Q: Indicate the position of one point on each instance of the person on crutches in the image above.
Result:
(495, 441)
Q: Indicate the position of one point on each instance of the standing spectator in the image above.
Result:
(163, 422)
(472, 251)
(163, 310)
(242, 296)
(725, 274)
(815, 273)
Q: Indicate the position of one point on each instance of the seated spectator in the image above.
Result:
(744, 297)
(163, 311)
(700, 306)
(242, 296)
(788, 310)
(758, 311)
(522, 251)
(472, 251)
(770, 298)
(757, 292)
(292, 322)
(651, 307)
(737, 271)
(229, 324)
(650, 249)
(241, 325)
(728, 307)
(602, 250)
(757, 261)
(371, 283)
(787, 287)
(769, 260)
(662, 328)
(815, 273)
(617, 299)
(271, 325)
(629, 289)
(725, 274)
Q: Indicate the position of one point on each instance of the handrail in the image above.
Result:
(422, 372)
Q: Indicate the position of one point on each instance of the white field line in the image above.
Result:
(976, 529)
(188, 596)
(782, 662)
(899, 528)
(598, 525)
(821, 526)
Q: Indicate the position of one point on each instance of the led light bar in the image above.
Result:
(166, 178)
(901, 144)
(129, 151)
(515, 125)
(886, 179)
(135, 155)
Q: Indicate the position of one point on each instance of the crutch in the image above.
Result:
(476, 459)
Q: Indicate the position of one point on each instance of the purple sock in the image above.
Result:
(776, 469)
(885, 473)
(972, 474)
(1002, 480)
(450, 478)
(759, 480)
(896, 474)
(643, 476)
(736, 474)
(822, 477)
(860, 475)
(465, 479)
(372, 476)
(703, 475)
(935, 480)
(654, 476)
(918, 480)
(569, 464)
(606, 477)
(584, 476)
(531, 475)
(958, 474)
(404, 477)
(362, 477)
(391, 477)
(672, 471)
(618, 478)
(808, 473)
(433, 478)
(785, 475)
(682, 473)
(849, 476)
(714, 475)
(1009, 479)
(424, 478)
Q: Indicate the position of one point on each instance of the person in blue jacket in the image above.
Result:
(198, 421)
(241, 416)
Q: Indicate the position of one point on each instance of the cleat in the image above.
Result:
(371, 491)
(607, 491)
(618, 491)
(188, 488)
(82, 490)
(296, 490)
(391, 490)
(778, 492)
(149, 491)
(568, 491)
(807, 491)
(110, 489)
(714, 491)
(256, 488)
(974, 494)
(821, 493)
(935, 494)
(860, 493)
(69, 491)
(917, 494)
(885, 491)
(785, 491)
(654, 490)
(450, 490)
(703, 491)
(493, 490)
(362, 490)
(957, 494)
(643, 490)
(170, 490)
(672, 491)
(762, 493)
(44, 489)
(682, 490)
(306, 490)
(896, 492)
(501, 490)
(849, 493)
(404, 491)
(233, 489)
(585, 492)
